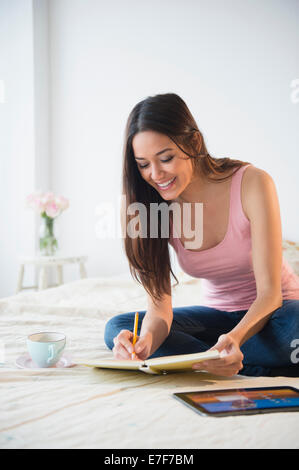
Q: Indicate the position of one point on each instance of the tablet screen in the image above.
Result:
(242, 400)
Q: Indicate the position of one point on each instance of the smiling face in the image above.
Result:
(162, 164)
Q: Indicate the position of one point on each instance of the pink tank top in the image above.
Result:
(226, 269)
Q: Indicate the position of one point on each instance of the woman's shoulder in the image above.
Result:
(254, 181)
(254, 176)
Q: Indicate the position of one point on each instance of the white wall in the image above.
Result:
(231, 61)
(17, 154)
(24, 132)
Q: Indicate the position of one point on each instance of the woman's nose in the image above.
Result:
(157, 173)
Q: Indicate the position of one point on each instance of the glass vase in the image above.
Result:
(48, 243)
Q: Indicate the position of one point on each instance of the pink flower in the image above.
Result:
(48, 197)
(52, 210)
(40, 206)
(47, 202)
(62, 202)
(34, 202)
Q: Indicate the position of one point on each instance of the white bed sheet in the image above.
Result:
(90, 408)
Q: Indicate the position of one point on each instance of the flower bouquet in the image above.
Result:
(49, 207)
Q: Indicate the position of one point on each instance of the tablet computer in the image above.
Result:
(241, 401)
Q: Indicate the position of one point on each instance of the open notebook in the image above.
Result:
(158, 365)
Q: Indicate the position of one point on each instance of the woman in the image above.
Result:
(250, 311)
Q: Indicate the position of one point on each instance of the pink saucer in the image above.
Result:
(25, 362)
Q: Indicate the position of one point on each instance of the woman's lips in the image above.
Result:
(164, 188)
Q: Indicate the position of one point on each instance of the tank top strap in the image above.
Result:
(237, 213)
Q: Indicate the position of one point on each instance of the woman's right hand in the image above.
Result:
(123, 346)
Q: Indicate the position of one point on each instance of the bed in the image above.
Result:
(80, 407)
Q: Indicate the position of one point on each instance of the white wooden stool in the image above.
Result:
(44, 262)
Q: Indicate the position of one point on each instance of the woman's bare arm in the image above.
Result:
(157, 321)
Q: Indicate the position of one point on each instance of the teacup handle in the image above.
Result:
(51, 349)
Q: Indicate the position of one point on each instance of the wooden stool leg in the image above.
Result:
(59, 274)
(42, 282)
(20, 278)
(83, 274)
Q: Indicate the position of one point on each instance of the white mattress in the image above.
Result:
(90, 408)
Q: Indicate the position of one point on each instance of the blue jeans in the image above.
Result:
(197, 328)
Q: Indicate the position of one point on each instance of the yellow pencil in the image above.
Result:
(135, 333)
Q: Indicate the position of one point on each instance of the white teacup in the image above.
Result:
(46, 348)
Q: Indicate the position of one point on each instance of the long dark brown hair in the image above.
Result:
(168, 114)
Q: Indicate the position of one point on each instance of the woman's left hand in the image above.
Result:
(230, 361)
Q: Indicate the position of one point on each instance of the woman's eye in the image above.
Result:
(163, 161)
(168, 160)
